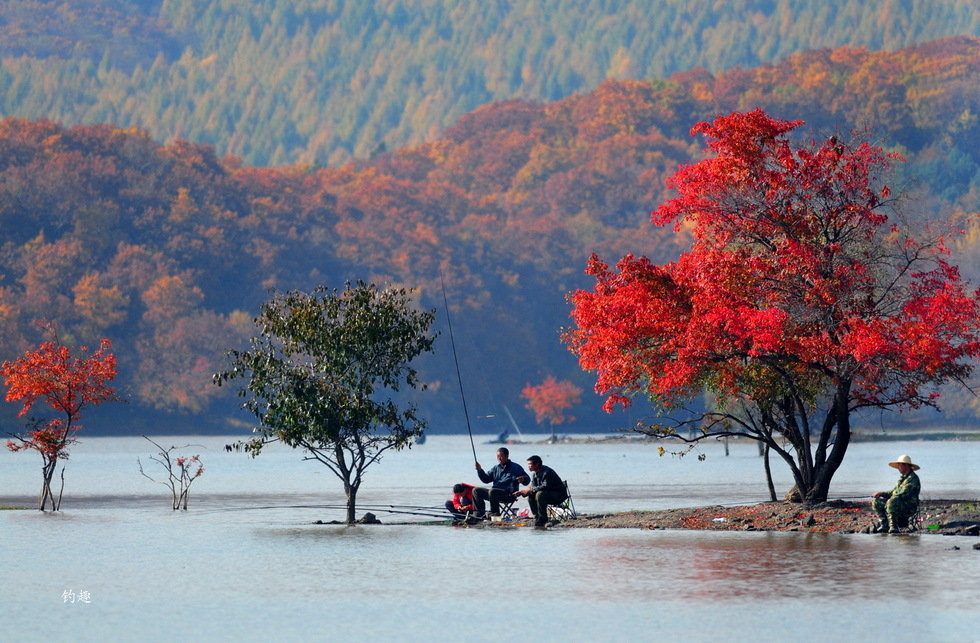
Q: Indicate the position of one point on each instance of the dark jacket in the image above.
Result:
(545, 479)
(504, 476)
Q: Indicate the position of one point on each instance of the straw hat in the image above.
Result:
(903, 459)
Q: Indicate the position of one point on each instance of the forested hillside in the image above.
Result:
(279, 82)
(168, 248)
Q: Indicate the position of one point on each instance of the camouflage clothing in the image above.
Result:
(897, 506)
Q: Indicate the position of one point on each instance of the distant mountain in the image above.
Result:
(315, 81)
(168, 249)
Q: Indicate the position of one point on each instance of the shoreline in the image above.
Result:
(954, 517)
(917, 436)
(944, 517)
(628, 437)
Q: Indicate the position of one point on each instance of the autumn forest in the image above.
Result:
(169, 247)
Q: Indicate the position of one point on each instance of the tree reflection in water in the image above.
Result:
(731, 566)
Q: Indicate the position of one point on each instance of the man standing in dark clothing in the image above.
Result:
(547, 488)
(506, 477)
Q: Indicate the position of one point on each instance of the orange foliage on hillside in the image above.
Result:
(169, 247)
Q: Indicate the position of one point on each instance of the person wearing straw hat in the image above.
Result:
(897, 506)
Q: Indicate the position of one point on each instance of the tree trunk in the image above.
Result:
(772, 488)
(61, 491)
(351, 503)
(63, 442)
(820, 487)
(47, 474)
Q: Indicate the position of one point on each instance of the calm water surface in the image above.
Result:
(246, 563)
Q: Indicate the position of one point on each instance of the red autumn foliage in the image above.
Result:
(98, 219)
(550, 399)
(803, 299)
(66, 383)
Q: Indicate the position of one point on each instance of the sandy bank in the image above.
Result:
(948, 517)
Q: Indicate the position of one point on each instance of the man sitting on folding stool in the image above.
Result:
(547, 488)
(506, 477)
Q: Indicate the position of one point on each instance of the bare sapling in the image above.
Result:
(182, 471)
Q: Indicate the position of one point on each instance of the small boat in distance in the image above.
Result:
(504, 436)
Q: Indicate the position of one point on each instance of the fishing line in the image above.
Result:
(428, 512)
(402, 506)
(459, 377)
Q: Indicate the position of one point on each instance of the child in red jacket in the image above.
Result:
(462, 501)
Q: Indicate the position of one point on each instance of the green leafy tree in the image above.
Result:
(320, 374)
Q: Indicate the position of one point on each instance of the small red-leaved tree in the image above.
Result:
(67, 384)
(804, 298)
(550, 399)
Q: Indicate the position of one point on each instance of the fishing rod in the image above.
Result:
(403, 506)
(339, 505)
(459, 377)
(428, 514)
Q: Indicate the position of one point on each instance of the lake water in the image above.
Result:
(247, 563)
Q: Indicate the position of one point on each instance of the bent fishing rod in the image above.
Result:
(459, 377)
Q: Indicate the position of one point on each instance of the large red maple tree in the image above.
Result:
(66, 383)
(805, 297)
